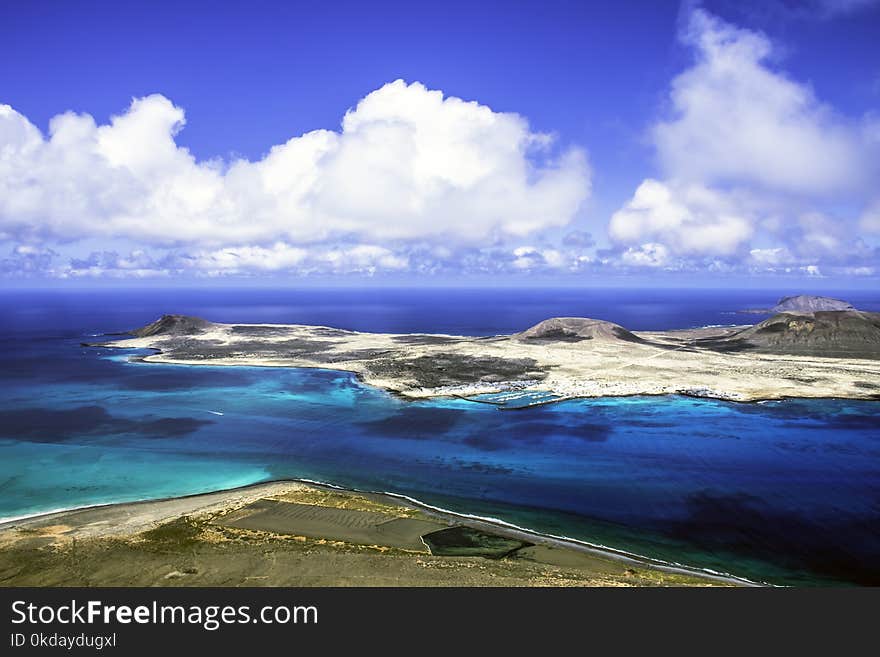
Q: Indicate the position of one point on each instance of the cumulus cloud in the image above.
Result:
(407, 164)
(736, 119)
(689, 219)
(748, 157)
(530, 257)
(26, 260)
(110, 264)
(646, 255)
(771, 257)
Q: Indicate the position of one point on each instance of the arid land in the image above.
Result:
(822, 354)
(294, 534)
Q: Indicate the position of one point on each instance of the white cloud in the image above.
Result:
(688, 219)
(245, 258)
(646, 255)
(771, 257)
(109, 264)
(530, 257)
(859, 271)
(737, 120)
(281, 257)
(751, 162)
(412, 182)
(407, 164)
(363, 258)
(26, 260)
(818, 234)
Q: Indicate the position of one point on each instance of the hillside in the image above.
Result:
(835, 333)
(577, 329)
(173, 325)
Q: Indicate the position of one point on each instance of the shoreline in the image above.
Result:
(160, 351)
(360, 379)
(416, 366)
(496, 525)
(490, 522)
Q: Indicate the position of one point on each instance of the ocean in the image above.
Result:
(780, 492)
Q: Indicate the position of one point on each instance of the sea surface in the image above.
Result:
(780, 492)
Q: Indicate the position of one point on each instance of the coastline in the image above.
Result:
(161, 350)
(139, 515)
(641, 356)
(362, 380)
(423, 366)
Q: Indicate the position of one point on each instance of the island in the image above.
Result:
(803, 303)
(797, 353)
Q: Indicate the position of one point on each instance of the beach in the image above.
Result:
(292, 533)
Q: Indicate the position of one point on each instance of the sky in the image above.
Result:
(572, 143)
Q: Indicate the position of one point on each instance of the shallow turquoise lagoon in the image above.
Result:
(783, 492)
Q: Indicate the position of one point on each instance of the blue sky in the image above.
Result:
(564, 142)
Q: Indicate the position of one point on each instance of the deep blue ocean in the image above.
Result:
(783, 492)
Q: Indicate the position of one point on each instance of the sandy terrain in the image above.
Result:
(292, 534)
(418, 366)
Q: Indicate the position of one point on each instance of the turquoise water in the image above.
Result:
(784, 492)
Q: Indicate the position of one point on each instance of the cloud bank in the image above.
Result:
(749, 159)
(407, 166)
(753, 173)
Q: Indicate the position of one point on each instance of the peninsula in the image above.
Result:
(289, 533)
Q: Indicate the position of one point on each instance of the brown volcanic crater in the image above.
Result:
(173, 325)
(837, 333)
(577, 329)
